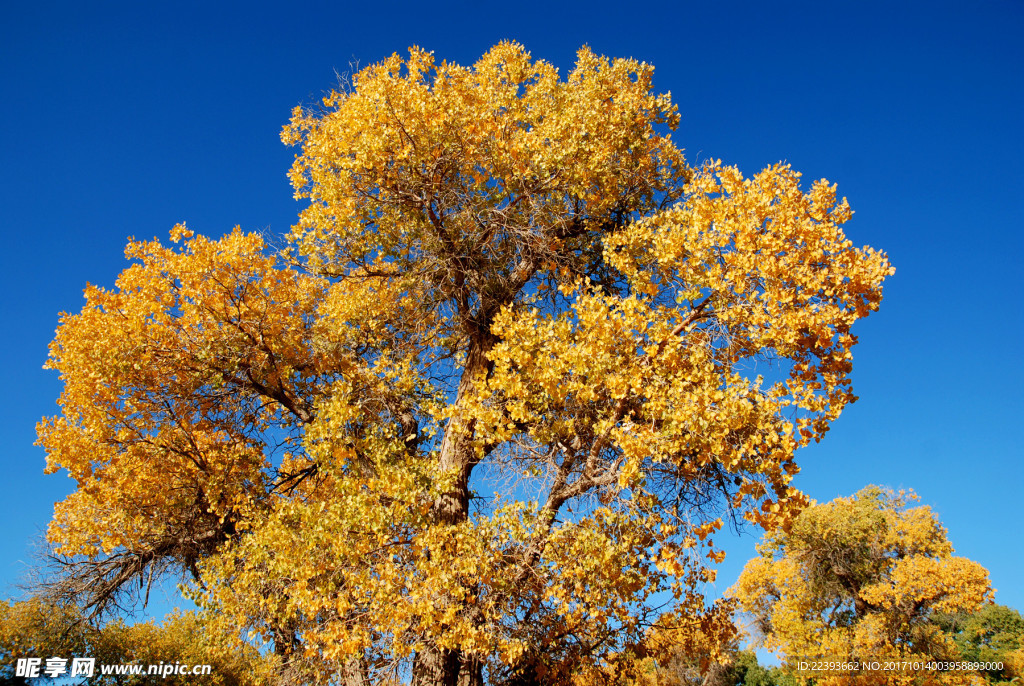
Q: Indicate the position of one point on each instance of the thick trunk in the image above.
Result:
(434, 666)
(472, 672)
(286, 644)
(356, 673)
(446, 668)
(458, 456)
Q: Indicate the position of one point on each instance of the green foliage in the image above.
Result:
(746, 671)
(992, 634)
(735, 667)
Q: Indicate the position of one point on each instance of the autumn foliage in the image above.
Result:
(863, 580)
(40, 628)
(495, 395)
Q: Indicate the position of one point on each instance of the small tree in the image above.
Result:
(496, 394)
(861, 579)
(38, 628)
(994, 634)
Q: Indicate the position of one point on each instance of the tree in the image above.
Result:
(736, 668)
(861, 579)
(993, 634)
(746, 671)
(33, 628)
(702, 659)
(40, 628)
(494, 396)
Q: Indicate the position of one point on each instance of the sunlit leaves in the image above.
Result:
(517, 365)
(859, 580)
(37, 628)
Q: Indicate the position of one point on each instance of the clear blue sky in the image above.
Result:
(123, 120)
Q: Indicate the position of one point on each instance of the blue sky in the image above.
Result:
(123, 120)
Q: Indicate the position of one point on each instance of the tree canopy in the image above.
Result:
(863, 580)
(517, 362)
(40, 628)
(994, 634)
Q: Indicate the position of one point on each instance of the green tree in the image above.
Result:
(746, 671)
(682, 666)
(991, 634)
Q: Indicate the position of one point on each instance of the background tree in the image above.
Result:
(991, 634)
(700, 658)
(746, 671)
(34, 628)
(496, 394)
(677, 667)
(862, 578)
(40, 628)
(693, 657)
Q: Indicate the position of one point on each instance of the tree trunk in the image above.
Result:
(356, 673)
(457, 453)
(433, 666)
(472, 672)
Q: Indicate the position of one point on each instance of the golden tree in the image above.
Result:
(495, 394)
(855, 583)
(37, 627)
